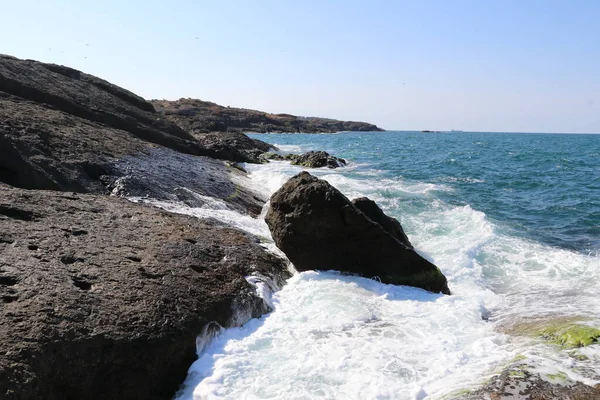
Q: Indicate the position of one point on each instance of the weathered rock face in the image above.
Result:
(315, 159)
(101, 298)
(90, 98)
(317, 227)
(199, 116)
(61, 129)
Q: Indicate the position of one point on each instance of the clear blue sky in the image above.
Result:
(510, 65)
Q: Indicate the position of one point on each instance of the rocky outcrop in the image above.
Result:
(101, 298)
(199, 116)
(316, 159)
(317, 227)
(62, 129)
(163, 174)
(89, 98)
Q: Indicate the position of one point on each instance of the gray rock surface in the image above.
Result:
(101, 298)
(62, 129)
(317, 227)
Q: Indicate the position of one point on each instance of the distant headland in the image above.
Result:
(202, 116)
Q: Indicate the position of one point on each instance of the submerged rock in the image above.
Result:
(317, 227)
(519, 382)
(316, 159)
(101, 298)
(568, 332)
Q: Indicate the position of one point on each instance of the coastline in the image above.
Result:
(103, 263)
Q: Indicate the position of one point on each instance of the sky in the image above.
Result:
(485, 65)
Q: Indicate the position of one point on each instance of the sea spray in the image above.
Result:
(337, 336)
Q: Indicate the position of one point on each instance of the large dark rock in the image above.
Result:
(101, 298)
(316, 159)
(43, 148)
(199, 116)
(317, 227)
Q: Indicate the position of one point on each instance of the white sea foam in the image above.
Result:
(334, 336)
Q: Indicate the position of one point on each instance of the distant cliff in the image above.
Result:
(198, 116)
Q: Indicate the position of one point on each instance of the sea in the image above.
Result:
(511, 219)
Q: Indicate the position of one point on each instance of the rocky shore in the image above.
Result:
(105, 298)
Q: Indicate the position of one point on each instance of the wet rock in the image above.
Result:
(316, 159)
(517, 382)
(101, 298)
(272, 156)
(61, 129)
(317, 227)
(163, 174)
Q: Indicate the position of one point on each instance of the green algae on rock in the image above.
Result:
(568, 332)
(520, 381)
(571, 335)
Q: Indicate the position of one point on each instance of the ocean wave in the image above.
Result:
(337, 336)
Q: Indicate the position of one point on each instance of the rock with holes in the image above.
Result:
(101, 298)
(317, 227)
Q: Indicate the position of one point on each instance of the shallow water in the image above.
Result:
(513, 221)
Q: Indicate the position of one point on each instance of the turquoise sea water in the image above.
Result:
(545, 187)
(512, 220)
